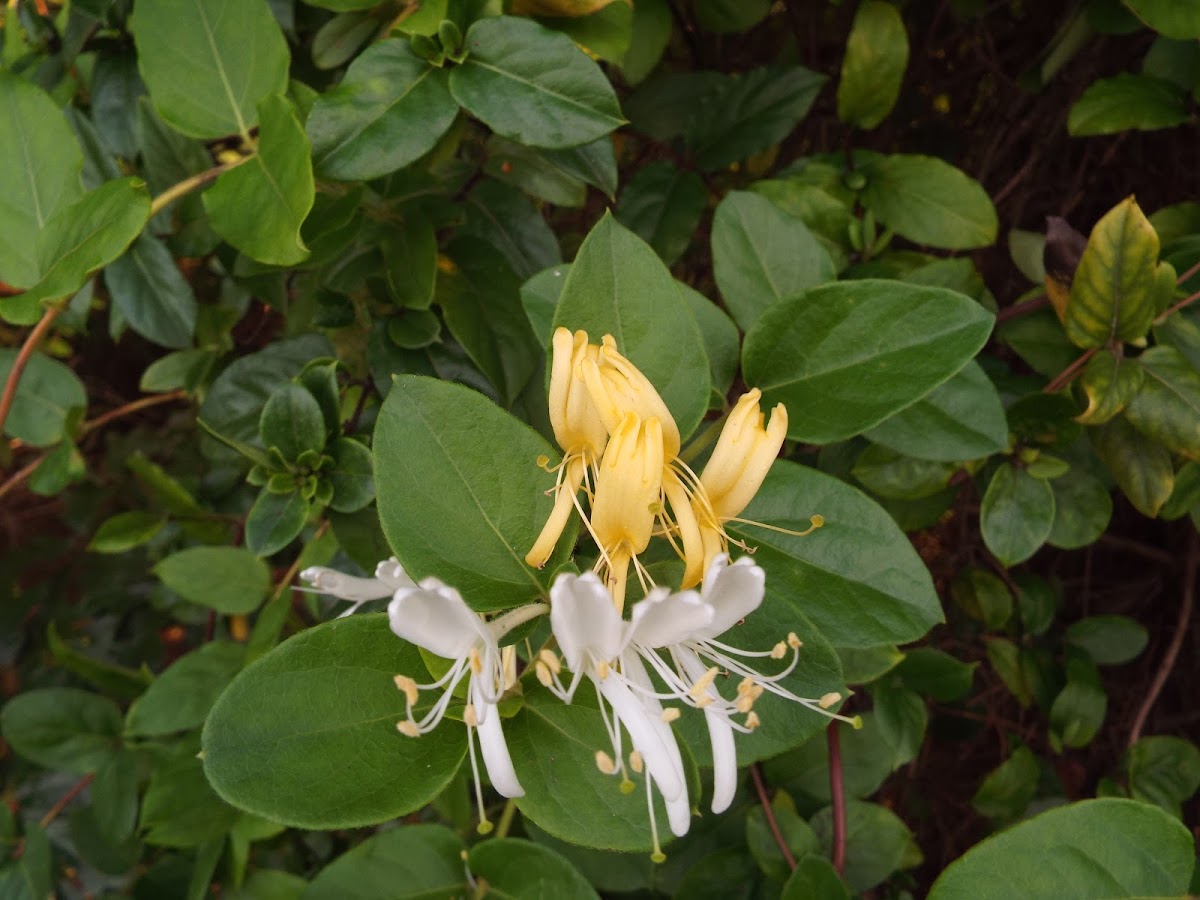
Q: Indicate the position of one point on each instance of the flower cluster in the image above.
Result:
(622, 474)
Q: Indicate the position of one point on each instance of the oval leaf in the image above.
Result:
(228, 579)
(1128, 101)
(876, 56)
(929, 202)
(1016, 515)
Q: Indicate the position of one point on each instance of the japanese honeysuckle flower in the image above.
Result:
(579, 430)
(389, 578)
(434, 616)
(593, 638)
(618, 387)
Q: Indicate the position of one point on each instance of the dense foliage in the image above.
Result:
(285, 288)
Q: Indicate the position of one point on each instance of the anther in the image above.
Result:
(779, 651)
(408, 728)
(829, 700)
(670, 714)
(601, 670)
(753, 721)
(409, 687)
(702, 684)
(470, 717)
(605, 763)
(476, 662)
(794, 642)
(550, 659)
(636, 762)
(543, 674)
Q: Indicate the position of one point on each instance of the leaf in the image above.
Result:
(1108, 383)
(1126, 102)
(116, 681)
(47, 399)
(1111, 292)
(208, 63)
(893, 475)
(1010, 788)
(760, 839)
(936, 674)
(1164, 771)
(306, 735)
(929, 202)
(292, 422)
(877, 842)
(808, 352)
(1168, 17)
(116, 88)
(1108, 640)
(40, 162)
(1167, 408)
(410, 254)
(662, 205)
(389, 109)
(228, 579)
(79, 240)
(336, 42)
(1142, 467)
(115, 796)
(180, 698)
(815, 876)
(180, 808)
(725, 16)
(506, 219)
(762, 255)
(902, 719)
(353, 476)
(984, 597)
(274, 521)
(124, 531)
(1082, 510)
(481, 303)
(1077, 714)
(720, 336)
(750, 113)
(62, 728)
(1016, 515)
(533, 85)
(618, 285)
(959, 420)
(512, 867)
(276, 184)
(415, 861)
(459, 492)
(151, 293)
(873, 67)
(860, 581)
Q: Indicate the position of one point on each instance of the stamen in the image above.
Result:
(829, 699)
(636, 762)
(544, 675)
(408, 728)
(817, 521)
(550, 660)
(409, 687)
(601, 669)
(476, 662)
(794, 642)
(627, 786)
(605, 763)
(753, 721)
(779, 651)
(670, 714)
(508, 662)
(470, 717)
(700, 688)
(656, 856)
(543, 462)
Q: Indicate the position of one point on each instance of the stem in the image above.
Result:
(1067, 375)
(506, 819)
(66, 798)
(18, 477)
(23, 356)
(1022, 309)
(837, 796)
(700, 442)
(761, 790)
(1186, 301)
(129, 408)
(1188, 274)
(1181, 628)
(185, 187)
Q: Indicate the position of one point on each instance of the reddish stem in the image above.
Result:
(23, 356)
(1067, 375)
(761, 790)
(66, 798)
(837, 796)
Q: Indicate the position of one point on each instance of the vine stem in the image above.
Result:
(1067, 375)
(506, 819)
(761, 790)
(1166, 313)
(1188, 274)
(185, 187)
(837, 796)
(1022, 309)
(66, 798)
(32, 340)
(1191, 565)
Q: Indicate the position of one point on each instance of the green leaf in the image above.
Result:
(274, 521)
(292, 422)
(1082, 510)
(414, 329)
(116, 681)
(208, 63)
(797, 834)
(180, 808)
(515, 868)
(895, 476)
(726, 16)
(815, 876)
(652, 26)
(276, 184)
(1164, 771)
(1168, 17)
(1010, 788)
(1108, 383)
(1141, 466)
(936, 674)
(1111, 296)
(353, 476)
(1095, 848)
(1186, 494)
(861, 582)
(807, 352)
(984, 597)
(40, 162)
(30, 877)
(124, 531)
(959, 420)
(389, 109)
(506, 219)
(228, 579)
(1108, 640)
(533, 85)
(336, 42)
(877, 842)
(1077, 714)
(559, 177)
(873, 67)
(762, 254)
(306, 735)
(1167, 408)
(862, 665)
(151, 293)
(62, 728)
(115, 796)
(902, 719)
(47, 398)
(180, 698)
(481, 303)
(721, 339)
(443, 447)
(1016, 515)
(1127, 101)
(929, 202)
(662, 205)
(79, 240)
(414, 861)
(618, 285)
(410, 253)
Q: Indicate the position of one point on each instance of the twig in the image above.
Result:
(1181, 628)
(66, 798)
(18, 477)
(1188, 274)
(761, 790)
(1174, 308)
(1067, 375)
(23, 356)
(202, 179)
(1022, 309)
(130, 408)
(837, 797)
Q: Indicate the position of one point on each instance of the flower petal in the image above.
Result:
(346, 587)
(724, 755)
(496, 757)
(391, 573)
(647, 739)
(583, 619)
(734, 591)
(663, 618)
(435, 617)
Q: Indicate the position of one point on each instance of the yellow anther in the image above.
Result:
(508, 663)
(829, 700)
(605, 763)
(700, 688)
(601, 670)
(409, 687)
(779, 651)
(704, 701)
(476, 662)
(543, 673)
(794, 642)
(408, 728)
(636, 762)
(550, 659)
(470, 717)
(670, 714)
(753, 721)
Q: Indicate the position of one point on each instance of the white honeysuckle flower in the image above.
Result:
(434, 616)
(389, 578)
(593, 637)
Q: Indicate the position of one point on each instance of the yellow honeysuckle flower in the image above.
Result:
(618, 387)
